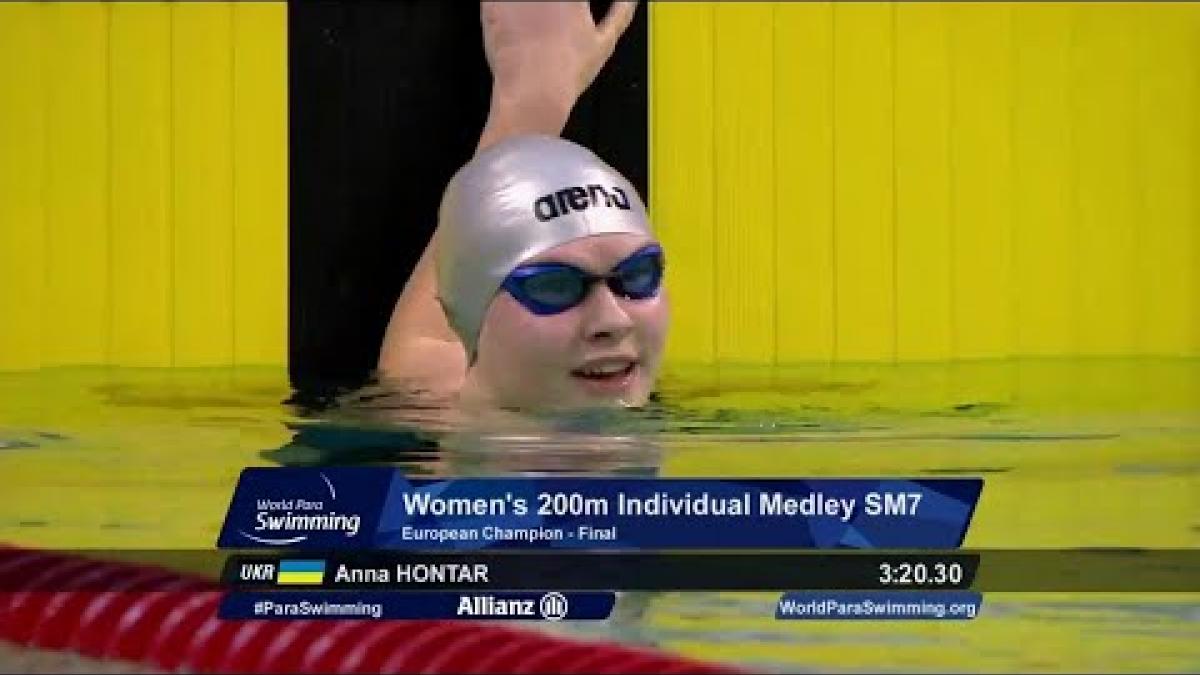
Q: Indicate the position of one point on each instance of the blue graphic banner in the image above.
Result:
(380, 508)
(879, 606)
(343, 605)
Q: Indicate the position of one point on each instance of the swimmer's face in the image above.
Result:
(605, 351)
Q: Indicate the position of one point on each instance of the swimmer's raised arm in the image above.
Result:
(543, 56)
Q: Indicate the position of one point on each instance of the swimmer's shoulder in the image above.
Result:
(433, 367)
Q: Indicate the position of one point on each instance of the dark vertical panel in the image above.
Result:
(386, 101)
(612, 118)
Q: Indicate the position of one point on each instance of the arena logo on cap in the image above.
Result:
(291, 519)
(578, 198)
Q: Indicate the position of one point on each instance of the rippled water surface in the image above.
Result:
(1074, 454)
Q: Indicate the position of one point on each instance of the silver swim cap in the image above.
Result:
(514, 200)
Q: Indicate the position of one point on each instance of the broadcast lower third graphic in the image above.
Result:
(879, 606)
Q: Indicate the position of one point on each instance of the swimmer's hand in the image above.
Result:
(544, 55)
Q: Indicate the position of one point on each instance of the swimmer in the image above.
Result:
(542, 285)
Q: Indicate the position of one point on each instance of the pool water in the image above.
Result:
(1074, 453)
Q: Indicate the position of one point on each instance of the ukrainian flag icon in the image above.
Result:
(300, 572)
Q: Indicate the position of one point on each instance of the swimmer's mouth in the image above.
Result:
(606, 370)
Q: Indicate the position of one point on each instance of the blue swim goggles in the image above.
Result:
(550, 288)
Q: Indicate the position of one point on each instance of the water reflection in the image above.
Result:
(382, 425)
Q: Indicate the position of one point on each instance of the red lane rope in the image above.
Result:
(166, 620)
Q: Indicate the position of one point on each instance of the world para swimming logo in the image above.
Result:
(291, 519)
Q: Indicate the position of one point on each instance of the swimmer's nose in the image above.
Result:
(604, 317)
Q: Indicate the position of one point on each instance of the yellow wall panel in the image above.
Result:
(803, 151)
(924, 316)
(144, 174)
(140, 77)
(981, 178)
(682, 179)
(22, 175)
(864, 182)
(744, 153)
(993, 179)
(260, 182)
(1168, 164)
(202, 190)
(1106, 193)
(76, 314)
(1045, 230)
